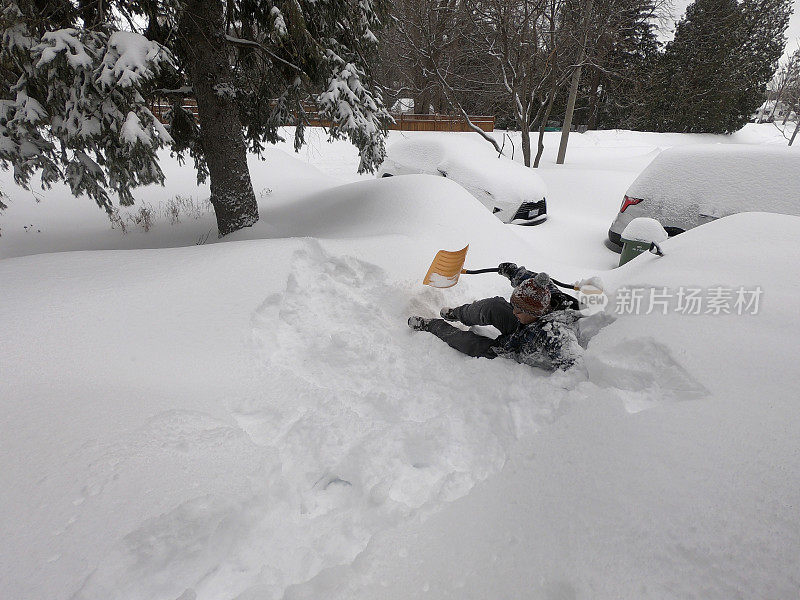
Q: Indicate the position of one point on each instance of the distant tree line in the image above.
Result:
(516, 59)
(713, 76)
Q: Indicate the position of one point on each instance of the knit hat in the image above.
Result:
(532, 295)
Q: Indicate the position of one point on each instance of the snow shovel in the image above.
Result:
(447, 266)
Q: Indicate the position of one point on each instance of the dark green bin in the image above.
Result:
(631, 249)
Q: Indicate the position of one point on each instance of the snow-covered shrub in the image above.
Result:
(185, 206)
(143, 218)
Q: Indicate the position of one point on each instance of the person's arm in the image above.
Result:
(558, 299)
(560, 343)
(514, 273)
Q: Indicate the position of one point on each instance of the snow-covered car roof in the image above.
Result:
(471, 162)
(723, 178)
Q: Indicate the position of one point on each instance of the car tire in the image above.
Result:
(538, 221)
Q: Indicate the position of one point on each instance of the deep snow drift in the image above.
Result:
(237, 416)
(693, 494)
(253, 419)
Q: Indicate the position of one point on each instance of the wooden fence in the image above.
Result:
(403, 121)
(412, 122)
(160, 107)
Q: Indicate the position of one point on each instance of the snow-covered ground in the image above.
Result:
(252, 419)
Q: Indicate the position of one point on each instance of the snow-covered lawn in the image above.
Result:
(252, 419)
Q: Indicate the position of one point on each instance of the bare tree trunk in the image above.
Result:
(796, 128)
(775, 103)
(772, 110)
(478, 130)
(202, 29)
(420, 104)
(543, 124)
(454, 105)
(594, 101)
(525, 130)
(422, 94)
(573, 91)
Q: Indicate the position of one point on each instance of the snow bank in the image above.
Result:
(261, 408)
(53, 220)
(672, 473)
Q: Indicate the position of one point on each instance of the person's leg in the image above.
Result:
(495, 311)
(467, 342)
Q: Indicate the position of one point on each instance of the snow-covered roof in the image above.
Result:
(403, 105)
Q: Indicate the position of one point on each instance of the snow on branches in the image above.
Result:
(328, 64)
(130, 58)
(353, 105)
(354, 111)
(78, 114)
(279, 30)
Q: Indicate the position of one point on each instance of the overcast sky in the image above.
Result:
(792, 34)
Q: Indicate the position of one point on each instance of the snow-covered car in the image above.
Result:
(687, 186)
(513, 192)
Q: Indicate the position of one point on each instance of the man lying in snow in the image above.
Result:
(539, 327)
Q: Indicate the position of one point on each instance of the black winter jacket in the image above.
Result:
(551, 341)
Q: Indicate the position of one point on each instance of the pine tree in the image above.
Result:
(695, 83)
(711, 77)
(762, 43)
(250, 65)
(622, 56)
(72, 105)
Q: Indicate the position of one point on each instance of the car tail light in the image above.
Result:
(628, 201)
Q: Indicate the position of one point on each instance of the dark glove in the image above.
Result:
(507, 269)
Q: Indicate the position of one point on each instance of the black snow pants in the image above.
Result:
(495, 311)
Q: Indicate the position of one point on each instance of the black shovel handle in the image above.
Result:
(495, 270)
(568, 286)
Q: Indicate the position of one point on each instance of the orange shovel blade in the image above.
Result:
(445, 268)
